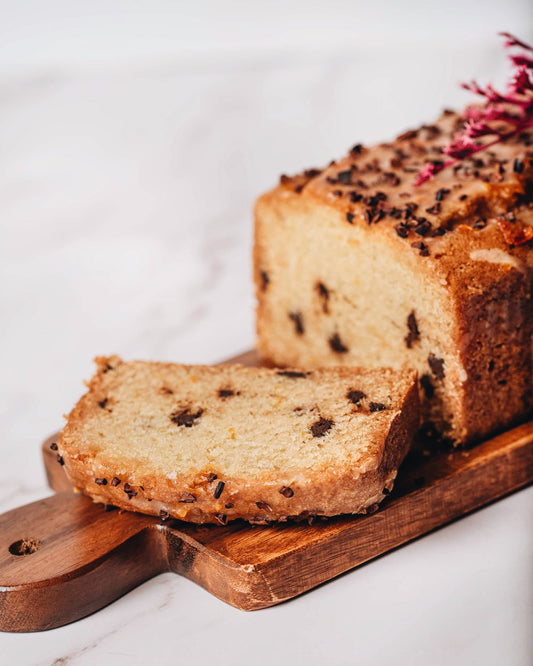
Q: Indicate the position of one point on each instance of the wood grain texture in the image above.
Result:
(86, 557)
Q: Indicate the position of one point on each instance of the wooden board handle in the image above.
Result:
(64, 557)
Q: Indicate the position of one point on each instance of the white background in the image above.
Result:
(134, 137)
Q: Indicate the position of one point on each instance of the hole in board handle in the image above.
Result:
(24, 546)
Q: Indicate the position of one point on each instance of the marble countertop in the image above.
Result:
(126, 197)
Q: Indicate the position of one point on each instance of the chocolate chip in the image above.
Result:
(350, 217)
(337, 345)
(264, 280)
(427, 386)
(225, 393)
(292, 374)
(323, 293)
(187, 498)
(219, 489)
(103, 403)
(166, 390)
(355, 197)
(263, 506)
(491, 366)
(101, 482)
(286, 491)
(228, 506)
(356, 150)
(186, 417)
(222, 518)
(437, 366)
(377, 407)
(386, 491)
(414, 334)
(53, 446)
(164, 515)
(297, 319)
(60, 459)
(463, 197)
(115, 481)
(518, 166)
(211, 477)
(321, 427)
(355, 396)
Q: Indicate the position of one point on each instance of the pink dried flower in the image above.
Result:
(512, 111)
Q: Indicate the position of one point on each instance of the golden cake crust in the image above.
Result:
(460, 232)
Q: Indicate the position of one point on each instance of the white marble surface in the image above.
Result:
(125, 219)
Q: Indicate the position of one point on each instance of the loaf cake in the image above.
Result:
(211, 444)
(357, 264)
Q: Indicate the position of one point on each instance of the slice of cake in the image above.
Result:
(211, 444)
(357, 265)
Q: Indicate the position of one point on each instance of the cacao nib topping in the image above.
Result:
(263, 506)
(115, 481)
(226, 393)
(53, 446)
(355, 197)
(518, 166)
(337, 345)
(355, 396)
(419, 245)
(402, 230)
(164, 515)
(185, 417)
(129, 491)
(187, 498)
(222, 518)
(211, 477)
(101, 481)
(103, 403)
(286, 491)
(413, 334)
(60, 459)
(345, 176)
(321, 427)
(434, 210)
(292, 374)
(423, 227)
(441, 194)
(377, 407)
(264, 280)
(427, 386)
(219, 489)
(297, 319)
(350, 217)
(437, 366)
(410, 134)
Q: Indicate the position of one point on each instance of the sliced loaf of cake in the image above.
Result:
(357, 265)
(211, 444)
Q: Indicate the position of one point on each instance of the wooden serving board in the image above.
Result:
(65, 557)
